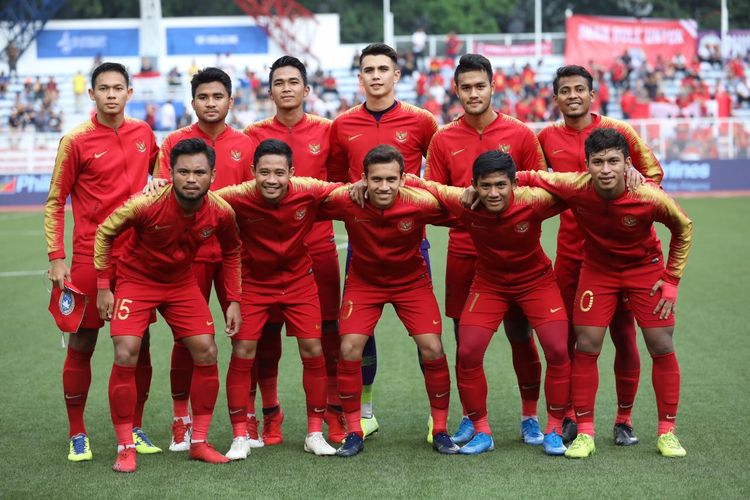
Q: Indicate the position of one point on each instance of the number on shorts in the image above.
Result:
(121, 308)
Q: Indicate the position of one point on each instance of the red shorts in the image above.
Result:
(459, 273)
(599, 293)
(209, 274)
(567, 271)
(298, 307)
(83, 276)
(328, 278)
(181, 304)
(415, 306)
(540, 301)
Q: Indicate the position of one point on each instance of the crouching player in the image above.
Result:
(512, 270)
(387, 267)
(154, 272)
(276, 213)
(622, 254)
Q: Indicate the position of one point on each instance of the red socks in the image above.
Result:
(314, 383)
(203, 393)
(585, 383)
(76, 382)
(267, 360)
(528, 369)
(437, 380)
(143, 372)
(666, 379)
(238, 384)
(331, 342)
(627, 362)
(350, 392)
(626, 382)
(180, 376)
(557, 394)
(122, 397)
(472, 383)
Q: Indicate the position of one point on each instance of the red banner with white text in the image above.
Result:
(601, 39)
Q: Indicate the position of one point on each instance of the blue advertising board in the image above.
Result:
(706, 176)
(216, 40)
(87, 43)
(24, 189)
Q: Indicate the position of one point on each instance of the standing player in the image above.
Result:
(563, 145)
(99, 164)
(381, 119)
(275, 214)
(387, 267)
(622, 254)
(153, 272)
(308, 136)
(512, 269)
(212, 99)
(449, 161)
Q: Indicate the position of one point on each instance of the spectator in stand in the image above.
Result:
(602, 92)
(167, 116)
(79, 91)
(150, 117)
(420, 86)
(4, 81)
(742, 90)
(408, 64)
(147, 67)
(679, 62)
(193, 69)
(16, 125)
(736, 68)
(452, 46)
(354, 67)
(51, 91)
(627, 103)
(435, 107)
(96, 63)
(12, 54)
(330, 85)
(174, 78)
(37, 89)
(185, 119)
(418, 46)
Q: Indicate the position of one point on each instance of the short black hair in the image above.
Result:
(190, 147)
(603, 139)
(493, 161)
(208, 75)
(473, 62)
(572, 70)
(379, 49)
(288, 61)
(272, 147)
(106, 67)
(384, 153)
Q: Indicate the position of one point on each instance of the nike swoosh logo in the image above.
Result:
(435, 321)
(474, 224)
(582, 413)
(554, 408)
(557, 151)
(99, 155)
(350, 396)
(529, 386)
(671, 417)
(252, 221)
(179, 394)
(351, 138)
(553, 311)
(75, 396)
(361, 220)
(209, 323)
(625, 407)
(454, 153)
(319, 410)
(235, 412)
(442, 395)
(159, 228)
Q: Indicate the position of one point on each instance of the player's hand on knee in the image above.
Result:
(153, 186)
(666, 305)
(105, 303)
(358, 192)
(58, 272)
(233, 319)
(633, 178)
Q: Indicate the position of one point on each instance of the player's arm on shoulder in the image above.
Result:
(560, 184)
(338, 203)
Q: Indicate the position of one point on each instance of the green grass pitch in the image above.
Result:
(711, 344)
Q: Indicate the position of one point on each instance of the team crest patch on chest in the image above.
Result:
(629, 221)
(505, 148)
(140, 146)
(522, 227)
(206, 232)
(402, 136)
(300, 214)
(406, 225)
(236, 155)
(314, 148)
